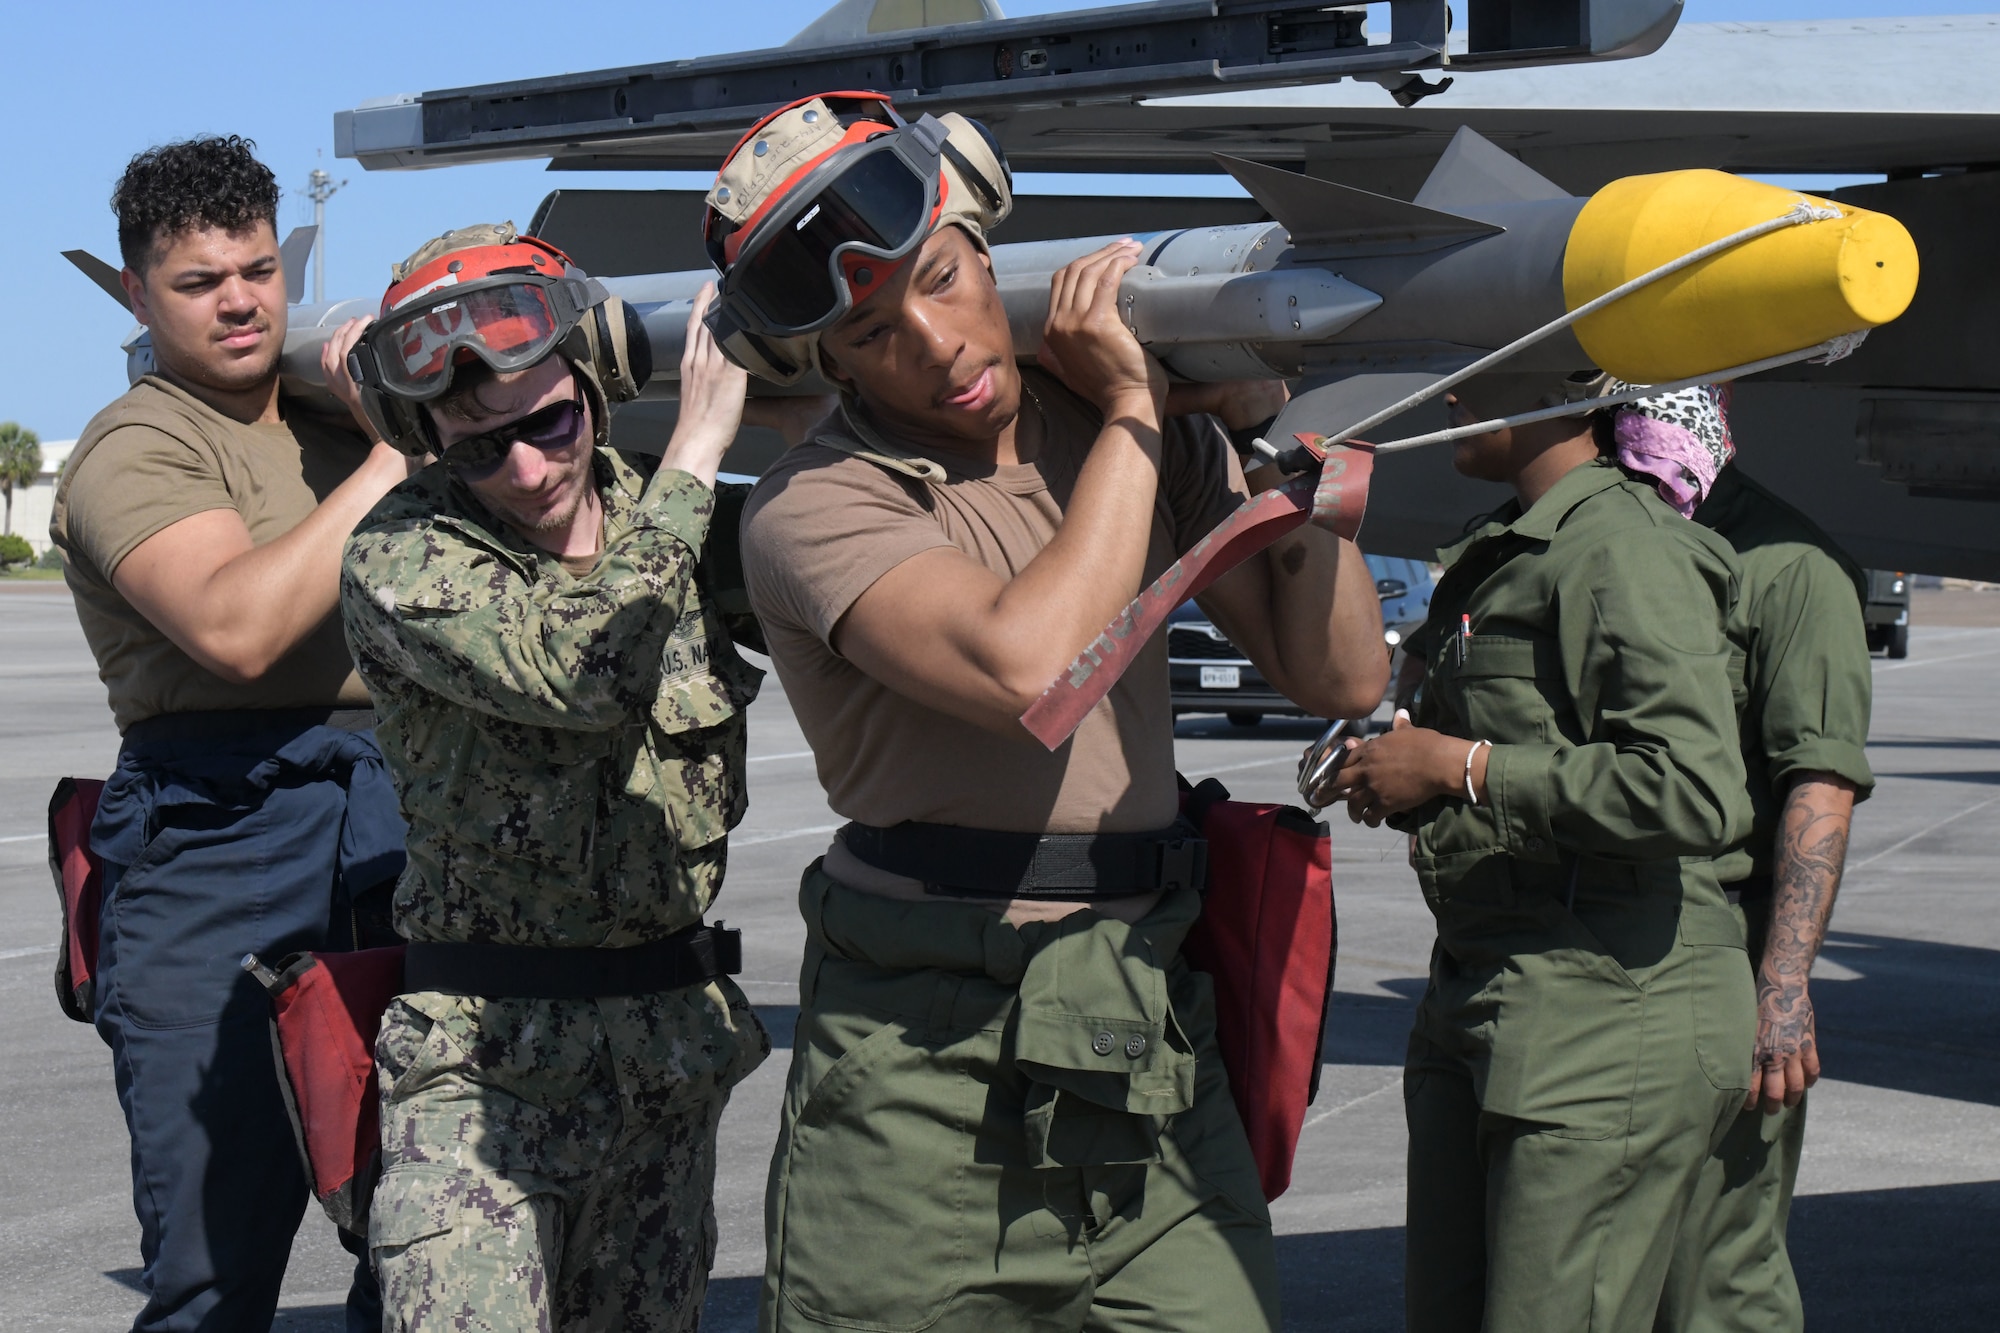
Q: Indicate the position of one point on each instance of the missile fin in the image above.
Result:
(1475, 173)
(101, 273)
(1318, 212)
(858, 20)
(294, 251)
(1330, 408)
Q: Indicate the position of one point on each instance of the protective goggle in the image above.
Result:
(834, 236)
(509, 321)
(551, 427)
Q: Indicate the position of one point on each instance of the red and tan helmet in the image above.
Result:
(487, 293)
(821, 202)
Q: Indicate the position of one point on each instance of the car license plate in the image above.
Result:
(1221, 678)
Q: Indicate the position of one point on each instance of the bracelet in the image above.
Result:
(1470, 798)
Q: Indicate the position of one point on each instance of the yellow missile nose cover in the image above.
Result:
(1787, 290)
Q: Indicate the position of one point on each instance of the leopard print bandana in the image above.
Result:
(1678, 441)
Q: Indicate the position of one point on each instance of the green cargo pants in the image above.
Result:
(997, 1128)
(550, 1164)
(1731, 1271)
(1569, 1073)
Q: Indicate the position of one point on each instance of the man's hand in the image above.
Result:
(1402, 769)
(333, 366)
(1805, 876)
(1787, 1051)
(712, 389)
(385, 460)
(1086, 344)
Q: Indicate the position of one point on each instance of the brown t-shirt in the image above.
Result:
(152, 458)
(823, 526)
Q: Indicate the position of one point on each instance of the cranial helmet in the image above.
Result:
(508, 300)
(821, 202)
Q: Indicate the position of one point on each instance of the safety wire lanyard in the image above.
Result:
(1801, 212)
(1323, 760)
(1832, 350)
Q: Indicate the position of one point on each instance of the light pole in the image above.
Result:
(320, 187)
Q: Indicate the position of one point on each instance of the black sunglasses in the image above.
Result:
(551, 427)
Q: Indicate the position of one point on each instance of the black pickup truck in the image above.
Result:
(1886, 613)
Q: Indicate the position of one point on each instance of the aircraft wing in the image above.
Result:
(1835, 96)
(1895, 450)
(949, 55)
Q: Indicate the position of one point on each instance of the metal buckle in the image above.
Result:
(1321, 763)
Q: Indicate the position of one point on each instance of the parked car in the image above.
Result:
(1886, 613)
(1210, 675)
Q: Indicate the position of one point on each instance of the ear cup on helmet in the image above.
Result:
(982, 185)
(638, 348)
(778, 360)
(612, 339)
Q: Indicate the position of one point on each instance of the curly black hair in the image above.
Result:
(209, 181)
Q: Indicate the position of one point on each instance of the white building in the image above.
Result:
(33, 502)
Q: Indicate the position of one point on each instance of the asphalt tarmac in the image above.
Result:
(1899, 1215)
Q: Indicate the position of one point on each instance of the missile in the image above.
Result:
(1367, 295)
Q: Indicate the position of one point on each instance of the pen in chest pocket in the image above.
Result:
(1464, 636)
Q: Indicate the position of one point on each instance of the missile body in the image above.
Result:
(1347, 284)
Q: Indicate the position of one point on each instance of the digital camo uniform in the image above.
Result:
(1799, 653)
(569, 752)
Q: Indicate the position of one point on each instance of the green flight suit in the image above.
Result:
(1586, 1034)
(569, 753)
(998, 1127)
(1800, 655)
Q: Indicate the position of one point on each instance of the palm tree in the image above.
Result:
(20, 463)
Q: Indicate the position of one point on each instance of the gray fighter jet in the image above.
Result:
(1432, 178)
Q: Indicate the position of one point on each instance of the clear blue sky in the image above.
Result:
(89, 86)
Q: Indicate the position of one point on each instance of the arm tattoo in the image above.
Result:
(1811, 852)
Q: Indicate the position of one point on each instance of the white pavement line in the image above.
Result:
(1252, 763)
(789, 754)
(28, 952)
(25, 837)
(1933, 661)
(1332, 1111)
(753, 839)
(1921, 833)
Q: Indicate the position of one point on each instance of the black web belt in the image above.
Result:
(506, 971)
(1063, 867)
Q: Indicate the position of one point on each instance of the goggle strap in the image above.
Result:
(973, 175)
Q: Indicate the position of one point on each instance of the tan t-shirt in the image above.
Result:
(152, 458)
(823, 526)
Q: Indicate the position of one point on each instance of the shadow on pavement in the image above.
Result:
(731, 1306)
(1917, 1018)
(1874, 1261)
(1342, 1281)
(1882, 1261)
(781, 1021)
(1370, 1029)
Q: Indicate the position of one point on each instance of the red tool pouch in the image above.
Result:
(325, 1012)
(1267, 937)
(79, 877)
